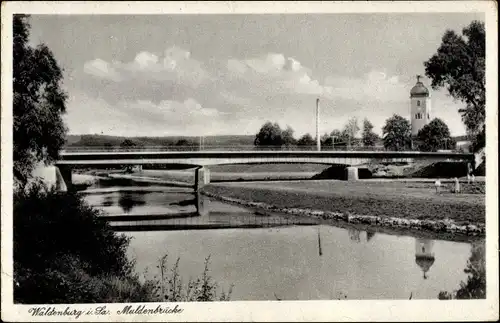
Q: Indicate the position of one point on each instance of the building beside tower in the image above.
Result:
(420, 107)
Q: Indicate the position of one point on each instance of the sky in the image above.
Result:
(207, 74)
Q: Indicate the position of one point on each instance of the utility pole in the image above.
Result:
(318, 139)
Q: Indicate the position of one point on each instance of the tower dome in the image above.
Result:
(425, 263)
(419, 89)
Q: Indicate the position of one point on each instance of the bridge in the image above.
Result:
(200, 159)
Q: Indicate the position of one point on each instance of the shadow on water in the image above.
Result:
(114, 182)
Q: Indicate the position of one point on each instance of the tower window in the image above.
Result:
(418, 103)
(428, 117)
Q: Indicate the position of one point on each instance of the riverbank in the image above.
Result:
(398, 204)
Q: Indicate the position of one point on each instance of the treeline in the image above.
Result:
(396, 136)
(270, 134)
(95, 140)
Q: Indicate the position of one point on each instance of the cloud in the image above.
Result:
(275, 73)
(175, 65)
(101, 69)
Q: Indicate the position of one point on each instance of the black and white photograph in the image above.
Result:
(155, 162)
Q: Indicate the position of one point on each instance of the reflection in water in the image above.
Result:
(475, 286)
(116, 182)
(320, 251)
(201, 202)
(128, 200)
(424, 256)
(185, 202)
(283, 263)
(108, 201)
(354, 235)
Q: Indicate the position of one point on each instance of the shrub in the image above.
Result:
(64, 254)
(58, 239)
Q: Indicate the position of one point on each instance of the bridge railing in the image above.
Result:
(220, 148)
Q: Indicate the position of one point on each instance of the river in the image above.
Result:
(275, 256)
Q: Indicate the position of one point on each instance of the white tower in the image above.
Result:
(420, 106)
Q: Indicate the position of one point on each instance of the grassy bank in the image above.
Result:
(386, 200)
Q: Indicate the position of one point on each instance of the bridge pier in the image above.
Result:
(64, 180)
(352, 173)
(201, 178)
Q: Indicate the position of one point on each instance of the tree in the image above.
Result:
(287, 137)
(369, 137)
(38, 103)
(269, 135)
(306, 140)
(326, 140)
(350, 131)
(479, 141)
(434, 136)
(459, 64)
(182, 142)
(397, 133)
(127, 143)
(339, 138)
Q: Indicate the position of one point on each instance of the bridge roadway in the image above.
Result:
(199, 159)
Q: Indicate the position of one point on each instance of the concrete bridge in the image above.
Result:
(199, 159)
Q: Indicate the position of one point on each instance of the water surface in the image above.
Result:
(279, 258)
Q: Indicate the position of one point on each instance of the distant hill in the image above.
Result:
(104, 140)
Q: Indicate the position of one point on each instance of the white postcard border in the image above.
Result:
(351, 310)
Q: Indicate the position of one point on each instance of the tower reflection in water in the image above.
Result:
(424, 254)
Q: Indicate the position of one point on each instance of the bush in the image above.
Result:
(59, 241)
(64, 254)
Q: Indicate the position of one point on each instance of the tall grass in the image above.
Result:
(170, 287)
